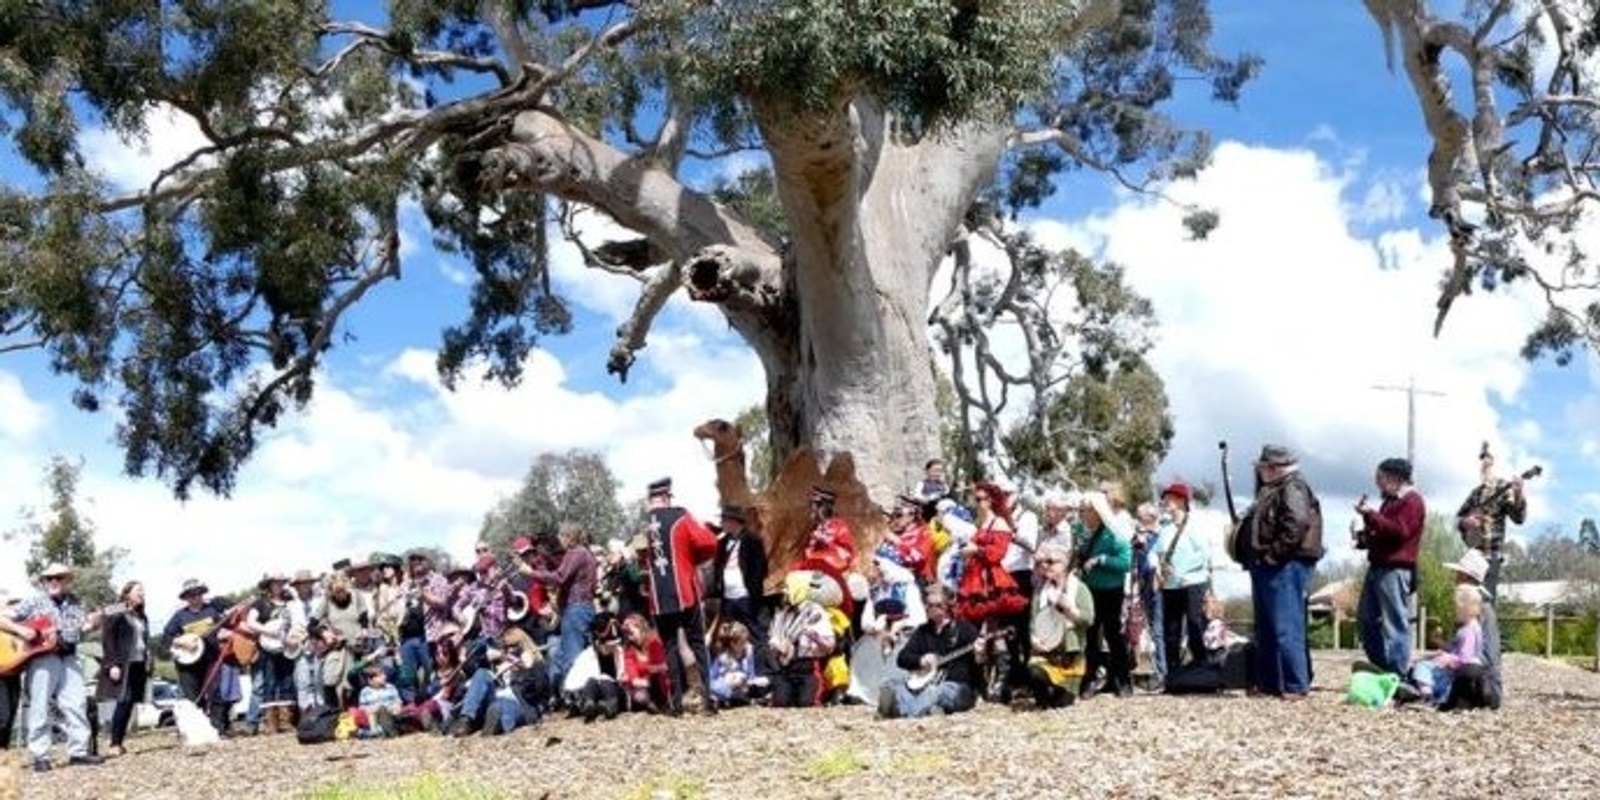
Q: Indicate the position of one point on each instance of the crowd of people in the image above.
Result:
(955, 605)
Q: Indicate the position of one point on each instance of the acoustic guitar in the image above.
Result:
(16, 653)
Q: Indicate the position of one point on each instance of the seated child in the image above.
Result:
(378, 704)
(1432, 676)
(733, 665)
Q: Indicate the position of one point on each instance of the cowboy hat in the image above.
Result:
(56, 570)
(303, 576)
(192, 586)
(1472, 564)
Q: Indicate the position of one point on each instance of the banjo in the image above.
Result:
(933, 675)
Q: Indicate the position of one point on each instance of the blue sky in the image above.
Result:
(1318, 176)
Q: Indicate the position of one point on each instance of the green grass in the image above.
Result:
(427, 786)
(675, 787)
(833, 764)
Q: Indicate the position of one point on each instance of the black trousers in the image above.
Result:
(1106, 634)
(132, 692)
(798, 684)
(1019, 626)
(1471, 689)
(10, 702)
(1183, 613)
(693, 626)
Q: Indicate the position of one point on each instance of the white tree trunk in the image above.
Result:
(840, 320)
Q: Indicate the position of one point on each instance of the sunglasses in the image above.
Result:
(1048, 561)
(483, 549)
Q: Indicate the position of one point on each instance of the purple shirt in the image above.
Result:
(574, 578)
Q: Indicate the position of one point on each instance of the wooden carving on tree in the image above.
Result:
(781, 515)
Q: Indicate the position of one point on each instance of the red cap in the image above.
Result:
(1180, 490)
(521, 544)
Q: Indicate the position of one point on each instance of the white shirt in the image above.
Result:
(733, 587)
(1024, 540)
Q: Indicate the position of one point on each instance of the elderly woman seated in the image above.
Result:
(1061, 611)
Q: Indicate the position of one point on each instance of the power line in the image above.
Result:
(1411, 391)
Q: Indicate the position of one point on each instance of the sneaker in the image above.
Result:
(886, 704)
(85, 761)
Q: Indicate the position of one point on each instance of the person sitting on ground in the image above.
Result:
(592, 686)
(644, 665)
(942, 667)
(379, 703)
(1477, 685)
(733, 665)
(508, 692)
(1432, 677)
(894, 602)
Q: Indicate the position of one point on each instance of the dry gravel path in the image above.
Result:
(1545, 743)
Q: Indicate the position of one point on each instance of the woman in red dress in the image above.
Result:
(988, 593)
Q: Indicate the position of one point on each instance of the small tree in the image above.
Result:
(1435, 584)
(575, 486)
(65, 535)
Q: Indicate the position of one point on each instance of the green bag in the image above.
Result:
(1372, 689)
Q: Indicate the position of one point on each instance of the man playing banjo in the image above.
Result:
(939, 658)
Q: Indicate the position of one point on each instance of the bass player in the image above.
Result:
(935, 641)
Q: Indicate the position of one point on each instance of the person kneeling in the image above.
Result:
(942, 671)
(1061, 613)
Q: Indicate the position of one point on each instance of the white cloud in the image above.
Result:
(21, 417)
(171, 136)
(1279, 326)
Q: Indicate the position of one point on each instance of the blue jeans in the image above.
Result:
(1150, 598)
(56, 680)
(481, 693)
(1278, 592)
(951, 696)
(414, 660)
(575, 621)
(271, 683)
(1383, 618)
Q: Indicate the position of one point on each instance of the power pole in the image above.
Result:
(1411, 391)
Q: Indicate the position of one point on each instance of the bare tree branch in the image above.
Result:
(631, 334)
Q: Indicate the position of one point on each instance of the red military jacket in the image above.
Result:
(676, 545)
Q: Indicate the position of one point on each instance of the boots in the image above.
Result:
(698, 697)
(286, 719)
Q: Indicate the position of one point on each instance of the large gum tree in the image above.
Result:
(895, 130)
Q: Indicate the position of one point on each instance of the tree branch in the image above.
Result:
(631, 334)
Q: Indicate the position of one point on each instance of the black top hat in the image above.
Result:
(734, 513)
(660, 486)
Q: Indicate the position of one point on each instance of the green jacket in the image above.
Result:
(1116, 557)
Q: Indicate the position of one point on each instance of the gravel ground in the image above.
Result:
(1542, 744)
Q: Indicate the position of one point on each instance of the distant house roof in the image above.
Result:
(1341, 593)
(1535, 593)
